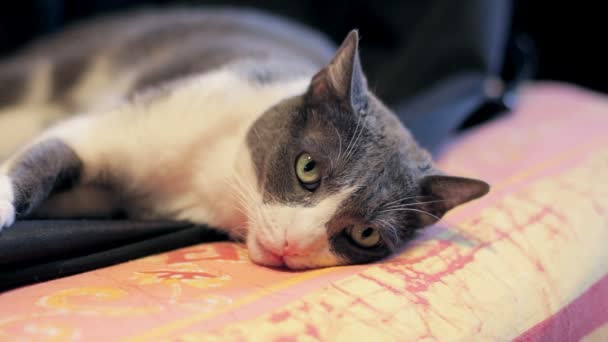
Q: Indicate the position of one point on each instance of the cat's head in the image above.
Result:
(337, 178)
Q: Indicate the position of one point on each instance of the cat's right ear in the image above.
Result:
(343, 77)
(443, 193)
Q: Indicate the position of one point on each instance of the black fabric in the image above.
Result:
(34, 251)
(437, 63)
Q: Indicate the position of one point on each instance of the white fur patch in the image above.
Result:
(6, 189)
(7, 210)
(299, 234)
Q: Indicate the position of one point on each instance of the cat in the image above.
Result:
(232, 118)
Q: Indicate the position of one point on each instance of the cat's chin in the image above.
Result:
(269, 259)
(299, 263)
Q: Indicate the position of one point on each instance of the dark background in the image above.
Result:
(568, 36)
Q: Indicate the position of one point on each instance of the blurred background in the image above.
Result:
(567, 35)
(454, 64)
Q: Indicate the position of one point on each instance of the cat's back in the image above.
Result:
(139, 33)
(98, 63)
(146, 47)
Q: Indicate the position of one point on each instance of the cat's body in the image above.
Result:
(229, 118)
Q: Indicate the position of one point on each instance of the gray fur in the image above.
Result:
(193, 40)
(49, 166)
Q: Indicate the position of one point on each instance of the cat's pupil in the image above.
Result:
(310, 166)
(367, 233)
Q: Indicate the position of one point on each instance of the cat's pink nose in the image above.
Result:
(289, 248)
(274, 248)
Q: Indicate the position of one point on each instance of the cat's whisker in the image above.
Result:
(237, 179)
(240, 234)
(246, 205)
(240, 207)
(352, 138)
(355, 144)
(402, 199)
(268, 227)
(351, 152)
(244, 198)
(411, 204)
(250, 190)
(411, 209)
(383, 221)
(236, 191)
(339, 146)
(272, 196)
(389, 228)
(257, 213)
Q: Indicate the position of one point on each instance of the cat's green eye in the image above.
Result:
(307, 171)
(366, 237)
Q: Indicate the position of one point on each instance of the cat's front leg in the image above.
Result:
(27, 179)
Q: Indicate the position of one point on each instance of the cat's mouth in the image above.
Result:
(273, 259)
(260, 254)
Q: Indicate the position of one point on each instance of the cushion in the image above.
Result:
(527, 262)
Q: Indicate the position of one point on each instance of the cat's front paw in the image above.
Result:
(7, 214)
(7, 210)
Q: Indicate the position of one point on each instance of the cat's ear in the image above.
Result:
(442, 193)
(343, 76)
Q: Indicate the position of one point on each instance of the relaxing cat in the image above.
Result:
(231, 118)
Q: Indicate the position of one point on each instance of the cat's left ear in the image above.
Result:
(442, 193)
(343, 77)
